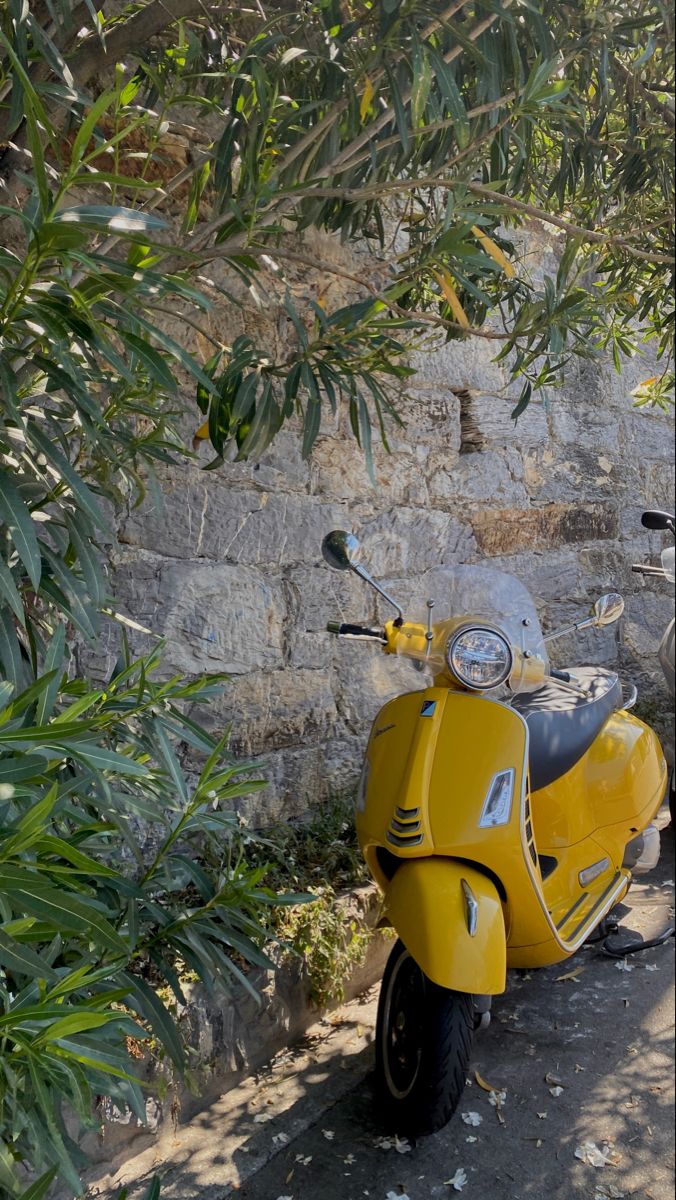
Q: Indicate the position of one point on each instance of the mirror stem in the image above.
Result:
(586, 623)
(363, 574)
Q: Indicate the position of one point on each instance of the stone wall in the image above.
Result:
(228, 567)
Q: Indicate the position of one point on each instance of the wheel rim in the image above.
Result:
(403, 1027)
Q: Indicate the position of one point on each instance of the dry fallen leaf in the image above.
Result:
(554, 1080)
(401, 1145)
(570, 975)
(261, 1118)
(488, 1087)
(471, 1139)
(556, 1091)
(280, 1139)
(458, 1181)
(497, 1099)
(590, 1153)
(471, 1118)
(624, 965)
(328, 1134)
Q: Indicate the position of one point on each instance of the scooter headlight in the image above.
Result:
(480, 658)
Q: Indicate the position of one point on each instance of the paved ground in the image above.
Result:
(583, 1052)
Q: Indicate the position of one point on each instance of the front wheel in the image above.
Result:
(423, 1046)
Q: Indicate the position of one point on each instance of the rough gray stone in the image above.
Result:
(218, 617)
(228, 567)
(475, 478)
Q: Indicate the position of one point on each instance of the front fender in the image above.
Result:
(428, 906)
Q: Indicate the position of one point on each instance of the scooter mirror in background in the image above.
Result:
(340, 550)
(608, 609)
(656, 519)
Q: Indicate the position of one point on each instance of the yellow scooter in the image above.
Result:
(502, 811)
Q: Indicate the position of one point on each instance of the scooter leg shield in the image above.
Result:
(449, 917)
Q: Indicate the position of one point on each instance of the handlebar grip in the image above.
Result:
(647, 569)
(564, 676)
(341, 629)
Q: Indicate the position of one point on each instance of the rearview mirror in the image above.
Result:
(608, 609)
(340, 550)
(654, 518)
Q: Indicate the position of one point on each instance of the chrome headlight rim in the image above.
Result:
(494, 632)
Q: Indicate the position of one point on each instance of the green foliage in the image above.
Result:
(119, 872)
(446, 127)
(323, 848)
(90, 920)
(321, 858)
(330, 946)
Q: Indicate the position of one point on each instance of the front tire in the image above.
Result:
(423, 1046)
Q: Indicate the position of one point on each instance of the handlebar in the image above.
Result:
(360, 632)
(564, 676)
(647, 569)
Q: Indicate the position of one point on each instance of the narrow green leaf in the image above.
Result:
(16, 667)
(38, 1190)
(52, 1134)
(400, 117)
(59, 908)
(103, 759)
(152, 360)
(15, 769)
(24, 961)
(81, 493)
(172, 763)
(80, 1022)
(80, 609)
(16, 516)
(149, 1006)
(9, 591)
(86, 129)
(89, 560)
(113, 218)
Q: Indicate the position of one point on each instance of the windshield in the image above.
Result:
(482, 595)
(668, 564)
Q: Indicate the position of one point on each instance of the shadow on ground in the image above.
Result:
(308, 1129)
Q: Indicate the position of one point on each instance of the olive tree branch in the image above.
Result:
(318, 130)
(226, 250)
(432, 181)
(202, 238)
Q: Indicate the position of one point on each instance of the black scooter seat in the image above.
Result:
(563, 724)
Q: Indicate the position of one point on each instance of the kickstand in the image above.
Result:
(614, 951)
